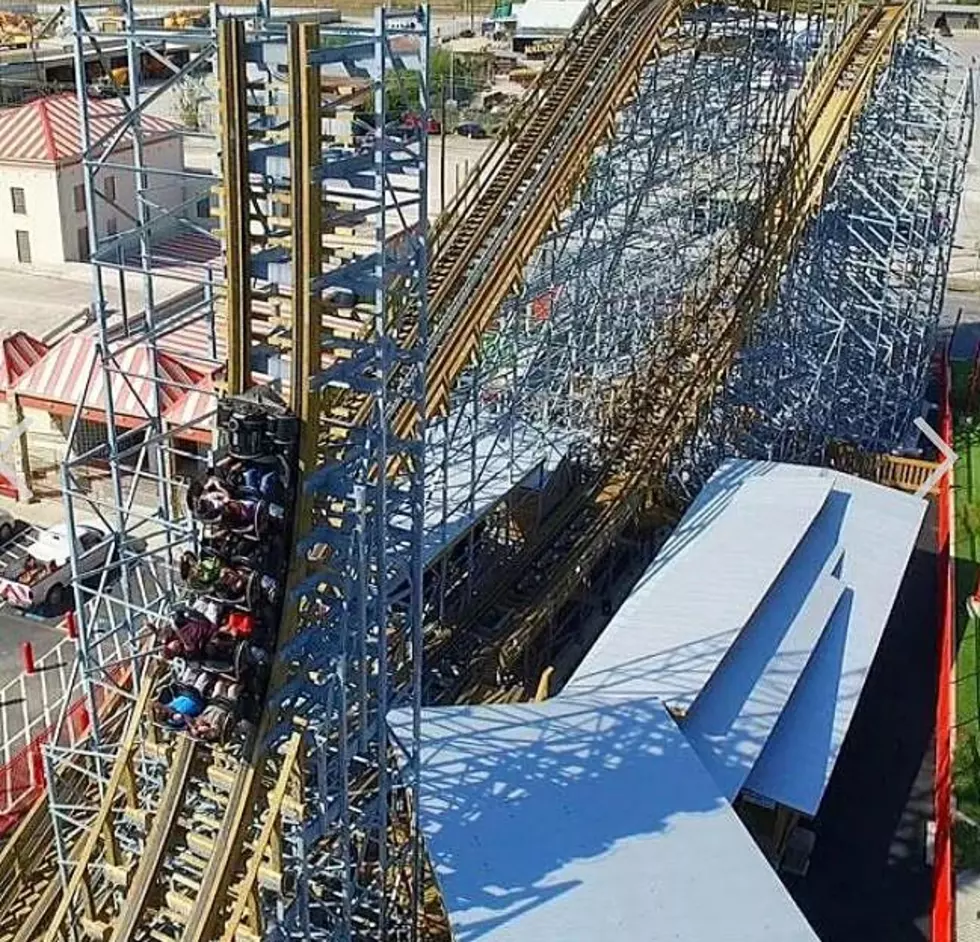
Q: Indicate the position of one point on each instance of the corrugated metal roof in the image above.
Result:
(706, 583)
(189, 256)
(47, 130)
(735, 712)
(878, 534)
(475, 477)
(760, 618)
(585, 818)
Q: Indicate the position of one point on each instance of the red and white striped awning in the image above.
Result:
(193, 341)
(195, 411)
(19, 351)
(68, 375)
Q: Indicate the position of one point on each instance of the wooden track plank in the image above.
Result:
(164, 820)
(127, 747)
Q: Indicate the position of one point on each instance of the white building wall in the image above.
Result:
(52, 221)
(42, 221)
(163, 190)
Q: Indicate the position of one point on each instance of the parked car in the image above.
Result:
(115, 82)
(471, 129)
(412, 121)
(339, 152)
(43, 576)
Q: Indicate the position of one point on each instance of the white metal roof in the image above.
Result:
(760, 618)
(474, 477)
(548, 15)
(878, 533)
(586, 818)
(682, 616)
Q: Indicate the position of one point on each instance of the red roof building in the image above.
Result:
(48, 130)
(43, 216)
(70, 373)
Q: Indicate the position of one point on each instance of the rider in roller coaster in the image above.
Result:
(219, 637)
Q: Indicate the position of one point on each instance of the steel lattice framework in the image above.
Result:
(282, 182)
(690, 160)
(848, 342)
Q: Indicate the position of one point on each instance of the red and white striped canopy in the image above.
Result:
(68, 375)
(19, 351)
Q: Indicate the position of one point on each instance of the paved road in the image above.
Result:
(15, 629)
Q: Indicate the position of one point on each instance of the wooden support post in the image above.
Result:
(307, 263)
(269, 826)
(305, 200)
(544, 685)
(23, 454)
(235, 199)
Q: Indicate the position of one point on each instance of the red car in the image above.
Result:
(412, 120)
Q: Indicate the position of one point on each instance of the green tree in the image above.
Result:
(459, 76)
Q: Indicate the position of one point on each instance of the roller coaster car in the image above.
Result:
(236, 550)
(209, 503)
(226, 625)
(213, 651)
(255, 429)
(239, 586)
(263, 478)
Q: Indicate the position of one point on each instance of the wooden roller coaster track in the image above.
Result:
(687, 368)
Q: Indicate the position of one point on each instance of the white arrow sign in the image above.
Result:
(949, 457)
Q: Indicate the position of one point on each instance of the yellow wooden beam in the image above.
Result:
(247, 887)
(127, 747)
(235, 207)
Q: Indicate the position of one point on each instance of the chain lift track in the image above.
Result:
(429, 393)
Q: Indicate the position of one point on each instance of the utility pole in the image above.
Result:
(442, 153)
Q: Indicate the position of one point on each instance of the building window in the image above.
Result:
(80, 198)
(23, 247)
(110, 189)
(110, 226)
(19, 200)
(204, 208)
(83, 255)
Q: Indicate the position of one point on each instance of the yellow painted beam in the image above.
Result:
(307, 330)
(272, 820)
(235, 204)
(171, 802)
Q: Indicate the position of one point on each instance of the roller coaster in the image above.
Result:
(356, 538)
